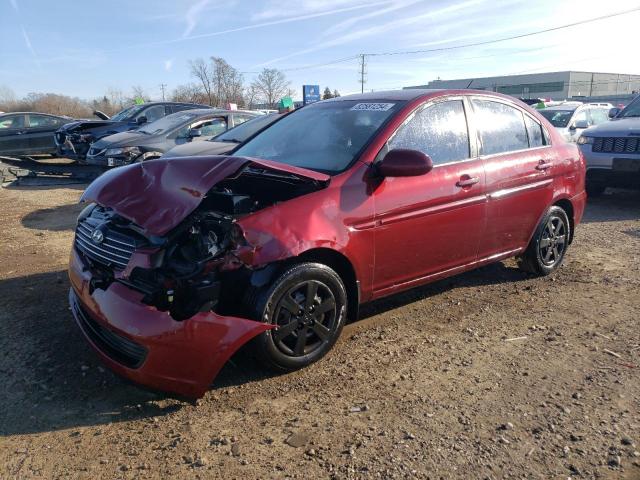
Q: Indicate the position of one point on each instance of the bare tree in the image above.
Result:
(336, 93)
(190, 92)
(7, 98)
(201, 70)
(271, 85)
(250, 96)
(54, 104)
(116, 98)
(137, 92)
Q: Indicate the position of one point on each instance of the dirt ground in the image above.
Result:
(490, 374)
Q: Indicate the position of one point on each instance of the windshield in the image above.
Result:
(127, 112)
(631, 110)
(165, 124)
(245, 130)
(558, 118)
(324, 136)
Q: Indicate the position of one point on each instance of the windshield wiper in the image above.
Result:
(232, 140)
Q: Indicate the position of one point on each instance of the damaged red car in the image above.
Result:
(178, 262)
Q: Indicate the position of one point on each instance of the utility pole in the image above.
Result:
(162, 87)
(363, 72)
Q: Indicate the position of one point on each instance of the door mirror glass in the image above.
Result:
(579, 124)
(141, 119)
(195, 132)
(402, 162)
(613, 112)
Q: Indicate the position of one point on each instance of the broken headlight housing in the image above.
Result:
(128, 152)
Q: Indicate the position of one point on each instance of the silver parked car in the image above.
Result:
(612, 150)
(572, 118)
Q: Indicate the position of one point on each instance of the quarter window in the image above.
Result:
(534, 130)
(439, 131)
(500, 127)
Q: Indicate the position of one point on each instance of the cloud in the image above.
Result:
(27, 42)
(192, 16)
(168, 64)
(283, 8)
(378, 30)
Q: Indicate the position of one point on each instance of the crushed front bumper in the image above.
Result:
(149, 347)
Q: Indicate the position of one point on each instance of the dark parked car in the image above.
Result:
(180, 261)
(73, 139)
(153, 139)
(29, 133)
(227, 141)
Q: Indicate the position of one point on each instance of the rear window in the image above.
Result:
(557, 118)
(501, 127)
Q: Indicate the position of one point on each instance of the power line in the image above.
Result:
(362, 56)
(504, 39)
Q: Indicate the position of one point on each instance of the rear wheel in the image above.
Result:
(307, 304)
(548, 246)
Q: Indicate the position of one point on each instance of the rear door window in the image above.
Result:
(439, 130)
(42, 121)
(500, 127)
(12, 121)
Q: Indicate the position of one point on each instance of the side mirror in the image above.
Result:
(579, 124)
(613, 112)
(402, 162)
(195, 132)
(141, 119)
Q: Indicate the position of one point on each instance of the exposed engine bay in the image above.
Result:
(194, 268)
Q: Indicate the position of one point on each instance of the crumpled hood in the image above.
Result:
(157, 195)
(201, 148)
(85, 124)
(616, 128)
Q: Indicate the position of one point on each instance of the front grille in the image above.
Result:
(118, 348)
(115, 249)
(616, 144)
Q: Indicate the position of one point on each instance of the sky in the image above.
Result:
(85, 48)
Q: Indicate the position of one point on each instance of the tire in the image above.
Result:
(549, 243)
(595, 189)
(308, 329)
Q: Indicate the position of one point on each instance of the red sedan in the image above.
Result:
(178, 262)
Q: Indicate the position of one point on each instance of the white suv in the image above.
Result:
(572, 118)
(612, 150)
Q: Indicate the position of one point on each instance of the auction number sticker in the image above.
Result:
(373, 107)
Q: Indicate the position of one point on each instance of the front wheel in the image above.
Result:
(307, 304)
(547, 247)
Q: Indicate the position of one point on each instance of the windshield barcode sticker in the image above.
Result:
(373, 107)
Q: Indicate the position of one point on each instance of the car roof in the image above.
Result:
(33, 113)
(407, 94)
(562, 108)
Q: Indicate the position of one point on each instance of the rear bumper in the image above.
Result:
(149, 347)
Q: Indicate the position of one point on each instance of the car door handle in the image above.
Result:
(467, 181)
(543, 165)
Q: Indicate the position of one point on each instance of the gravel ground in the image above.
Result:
(490, 374)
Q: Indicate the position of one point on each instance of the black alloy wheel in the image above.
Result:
(307, 305)
(553, 242)
(549, 243)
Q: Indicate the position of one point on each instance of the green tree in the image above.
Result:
(327, 93)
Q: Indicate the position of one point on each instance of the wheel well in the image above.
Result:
(344, 269)
(568, 208)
